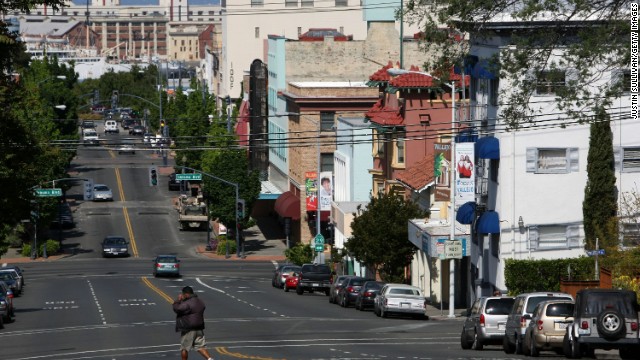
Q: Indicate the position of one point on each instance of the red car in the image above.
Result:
(291, 282)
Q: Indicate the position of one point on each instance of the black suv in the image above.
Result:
(603, 319)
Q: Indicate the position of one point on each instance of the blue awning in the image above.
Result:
(466, 135)
(466, 214)
(488, 148)
(488, 223)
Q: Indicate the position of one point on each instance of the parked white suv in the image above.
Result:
(111, 126)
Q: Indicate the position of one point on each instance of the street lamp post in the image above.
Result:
(452, 198)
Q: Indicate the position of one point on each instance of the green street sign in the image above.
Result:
(48, 192)
(319, 243)
(189, 177)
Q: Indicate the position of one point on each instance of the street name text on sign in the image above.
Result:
(453, 249)
(189, 177)
(595, 252)
(48, 192)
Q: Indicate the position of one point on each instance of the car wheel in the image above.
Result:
(507, 346)
(477, 344)
(286, 289)
(464, 343)
(525, 345)
(345, 301)
(574, 350)
(610, 324)
(519, 347)
(533, 350)
(383, 313)
(327, 292)
(299, 290)
(330, 299)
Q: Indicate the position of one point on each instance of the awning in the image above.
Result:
(488, 148)
(478, 68)
(466, 213)
(288, 206)
(488, 223)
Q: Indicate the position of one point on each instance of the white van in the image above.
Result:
(111, 126)
(90, 137)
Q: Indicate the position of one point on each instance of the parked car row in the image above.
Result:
(345, 290)
(553, 321)
(11, 285)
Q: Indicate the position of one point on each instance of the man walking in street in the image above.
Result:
(190, 323)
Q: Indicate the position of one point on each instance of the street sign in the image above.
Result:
(453, 249)
(319, 242)
(189, 177)
(48, 192)
(595, 252)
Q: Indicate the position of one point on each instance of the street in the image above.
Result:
(83, 306)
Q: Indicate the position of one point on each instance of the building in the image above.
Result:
(534, 188)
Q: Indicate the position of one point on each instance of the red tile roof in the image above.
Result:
(383, 115)
(381, 74)
(418, 175)
(414, 80)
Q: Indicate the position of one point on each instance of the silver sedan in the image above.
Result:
(102, 192)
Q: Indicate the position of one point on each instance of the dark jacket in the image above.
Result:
(190, 314)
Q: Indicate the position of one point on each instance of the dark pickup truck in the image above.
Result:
(314, 277)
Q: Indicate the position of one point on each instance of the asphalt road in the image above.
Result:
(86, 307)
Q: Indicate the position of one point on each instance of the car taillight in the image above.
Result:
(540, 325)
(367, 293)
(158, 265)
(523, 321)
(584, 325)
(385, 302)
(10, 295)
(481, 319)
(350, 289)
(634, 326)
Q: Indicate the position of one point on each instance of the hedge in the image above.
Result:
(522, 276)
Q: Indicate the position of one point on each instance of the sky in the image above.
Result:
(153, 2)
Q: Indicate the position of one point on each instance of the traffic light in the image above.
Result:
(240, 208)
(153, 176)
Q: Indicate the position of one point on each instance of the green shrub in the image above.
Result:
(522, 276)
(53, 247)
(222, 247)
(299, 254)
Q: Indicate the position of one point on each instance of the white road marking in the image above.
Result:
(95, 299)
(236, 298)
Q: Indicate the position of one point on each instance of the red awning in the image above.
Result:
(288, 206)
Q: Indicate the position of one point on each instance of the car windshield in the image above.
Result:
(404, 292)
(374, 285)
(116, 241)
(101, 188)
(535, 300)
(358, 282)
(167, 259)
(6, 276)
(560, 310)
(597, 302)
(499, 306)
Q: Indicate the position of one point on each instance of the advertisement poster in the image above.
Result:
(326, 190)
(465, 173)
(311, 189)
(442, 169)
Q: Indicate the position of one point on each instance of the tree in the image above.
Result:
(380, 235)
(232, 166)
(589, 49)
(599, 207)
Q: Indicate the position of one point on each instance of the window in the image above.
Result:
(326, 162)
(630, 234)
(378, 143)
(548, 82)
(257, 3)
(290, 3)
(494, 91)
(553, 236)
(621, 77)
(340, 3)
(306, 3)
(257, 32)
(327, 120)
(552, 160)
(627, 159)
(399, 149)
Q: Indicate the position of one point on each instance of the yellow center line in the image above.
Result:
(127, 220)
(164, 295)
(223, 351)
